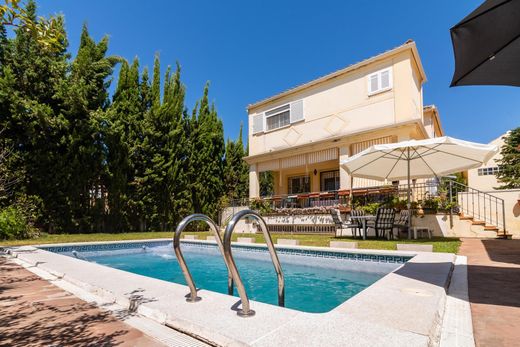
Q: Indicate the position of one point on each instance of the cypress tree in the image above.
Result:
(31, 121)
(136, 162)
(164, 181)
(236, 170)
(207, 158)
(86, 100)
(509, 173)
(123, 140)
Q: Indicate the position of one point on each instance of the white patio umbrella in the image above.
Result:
(434, 157)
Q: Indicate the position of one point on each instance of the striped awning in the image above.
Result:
(299, 160)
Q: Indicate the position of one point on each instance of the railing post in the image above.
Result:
(490, 211)
(504, 217)
(472, 203)
(461, 201)
(451, 204)
(484, 208)
(478, 204)
(496, 210)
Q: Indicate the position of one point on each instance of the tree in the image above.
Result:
(236, 170)
(206, 164)
(89, 162)
(47, 31)
(266, 183)
(164, 182)
(31, 105)
(123, 137)
(509, 165)
(86, 101)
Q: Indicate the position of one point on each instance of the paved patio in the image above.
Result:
(494, 290)
(34, 312)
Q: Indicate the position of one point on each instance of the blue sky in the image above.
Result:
(250, 50)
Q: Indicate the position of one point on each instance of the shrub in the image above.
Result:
(262, 206)
(431, 203)
(370, 208)
(15, 224)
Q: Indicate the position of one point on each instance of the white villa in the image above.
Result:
(484, 178)
(302, 134)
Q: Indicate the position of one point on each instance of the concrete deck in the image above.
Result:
(494, 290)
(36, 313)
(405, 308)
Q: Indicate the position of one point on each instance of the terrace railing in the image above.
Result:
(446, 194)
(483, 207)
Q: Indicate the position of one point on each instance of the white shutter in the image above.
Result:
(258, 123)
(297, 111)
(373, 83)
(385, 79)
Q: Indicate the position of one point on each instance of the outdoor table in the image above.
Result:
(421, 230)
(364, 220)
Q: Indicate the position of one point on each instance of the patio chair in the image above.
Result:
(384, 221)
(402, 222)
(340, 224)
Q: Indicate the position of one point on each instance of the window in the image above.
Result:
(299, 184)
(488, 171)
(329, 181)
(380, 81)
(277, 118)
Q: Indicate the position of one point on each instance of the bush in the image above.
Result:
(431, 204)
(262, 206)
(14, 224)
(370, 208)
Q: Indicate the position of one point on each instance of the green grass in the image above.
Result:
(440, 244)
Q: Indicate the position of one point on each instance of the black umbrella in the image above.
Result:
(486, 45)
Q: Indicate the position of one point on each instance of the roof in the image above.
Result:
(409, 44)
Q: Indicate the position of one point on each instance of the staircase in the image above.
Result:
(479, 208)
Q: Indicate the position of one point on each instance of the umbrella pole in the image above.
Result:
(409, 203)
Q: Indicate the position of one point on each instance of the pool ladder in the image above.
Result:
(225, 248)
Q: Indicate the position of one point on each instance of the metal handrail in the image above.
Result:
(177, 248)
(489, 203)
(246, 310)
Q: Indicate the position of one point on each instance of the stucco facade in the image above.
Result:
(302, 134)
(484, 178)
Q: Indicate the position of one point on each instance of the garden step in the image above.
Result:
(490, 227)
(504, 236)
(478, 222)
(463, 217)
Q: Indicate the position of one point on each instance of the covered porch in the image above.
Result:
(311, 178)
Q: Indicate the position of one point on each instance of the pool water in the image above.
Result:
(310, 286)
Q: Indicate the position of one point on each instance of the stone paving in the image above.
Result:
(494, 290)
(34, 312)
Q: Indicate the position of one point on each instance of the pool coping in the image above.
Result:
(405, 307)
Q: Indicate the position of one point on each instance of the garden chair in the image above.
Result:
(402, 222)
(384, 221)
(340, 224)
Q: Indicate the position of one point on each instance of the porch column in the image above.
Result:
(344, 177)
(254, 181)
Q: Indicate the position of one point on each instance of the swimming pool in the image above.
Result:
(316, 281)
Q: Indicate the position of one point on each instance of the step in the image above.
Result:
(463, 217)
(490, 227)
(504, 236)
(466, 218)
(478, 222)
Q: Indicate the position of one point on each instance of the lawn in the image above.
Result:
(450, 245)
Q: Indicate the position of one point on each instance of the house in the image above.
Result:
(484, 177)
(302, 134)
